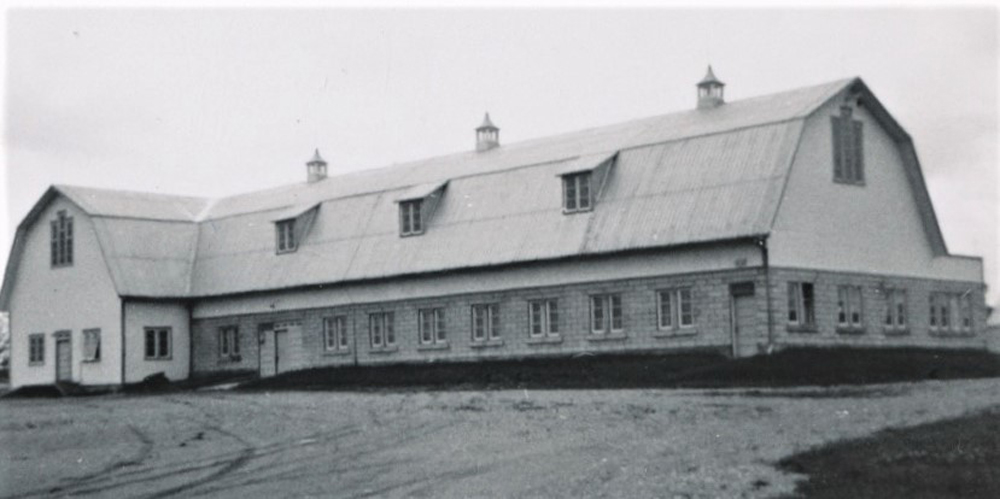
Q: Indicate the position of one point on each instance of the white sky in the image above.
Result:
(219, 102)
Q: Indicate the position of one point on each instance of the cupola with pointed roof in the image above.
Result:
(316, 168)
(487, 135)
(710, 91)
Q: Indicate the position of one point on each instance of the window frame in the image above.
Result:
(384, 322)
(951, 313)
(574, 182)
(850, 308)
(674, 314)
(36, 345)
(803, 306)
(91, 335)
(61, 241)
(896, 315)
(285, 236)
(434, 317)
(489, 325)
(547, 320)
(335, 328)
(229, 342)
(605, 325)
(411, 217)
(848, 148)
(158, 333)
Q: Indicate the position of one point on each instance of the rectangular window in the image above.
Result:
(381, 329)
(485, 322)
(849, 313)
(675, 309)
(229, 342)
(801, 310)
(543, 318)
(335, 333)
(430, 323)
(951, 312)
(91, 345)
(895, 309)
(848, 148)
(158, 343)
(577, 192)
(410, 217)
(606, 314)
(61, 253)
(286, 235)
(36, 348)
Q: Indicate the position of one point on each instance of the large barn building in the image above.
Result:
(799, 218)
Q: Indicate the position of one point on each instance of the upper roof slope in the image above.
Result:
(680, 178)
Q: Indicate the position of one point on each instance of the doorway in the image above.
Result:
(64, 357)
(742, 312)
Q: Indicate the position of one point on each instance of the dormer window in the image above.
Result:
(576, 192)
(61, 254)
(411, 220)
(848, 151)
(417, 205)
(285, 232)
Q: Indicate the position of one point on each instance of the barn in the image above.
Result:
(794, 219)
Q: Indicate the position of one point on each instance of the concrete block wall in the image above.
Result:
(918, 292)
(710, 298)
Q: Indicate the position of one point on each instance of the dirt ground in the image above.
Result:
(568, 443)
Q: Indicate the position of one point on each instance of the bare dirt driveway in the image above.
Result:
(569, 443)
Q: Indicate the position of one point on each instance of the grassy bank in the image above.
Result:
(956, 458)
(792, 367)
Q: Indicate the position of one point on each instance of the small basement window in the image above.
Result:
(577, 192)
(411, 220)
(285, 232)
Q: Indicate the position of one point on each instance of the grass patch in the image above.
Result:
(699, 369)
(956, 458)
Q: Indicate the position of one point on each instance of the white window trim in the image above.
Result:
(676, 309)
(411, 213)
(438, 328)
(88, 354)
(385, 321)
(285, 231)
(335, 328)
(158, 355)
(545, 321)
(491, 322)
(32, 360)
(801, 310)
(575, 179)
(606, 326)
(847, 307)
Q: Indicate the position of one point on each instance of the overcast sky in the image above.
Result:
(219, 102)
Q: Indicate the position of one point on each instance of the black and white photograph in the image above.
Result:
(531, 250)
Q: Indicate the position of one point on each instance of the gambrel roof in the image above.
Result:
(682, 178)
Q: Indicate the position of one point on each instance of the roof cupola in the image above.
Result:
(710, 91)
(316, 168)
(487, 135)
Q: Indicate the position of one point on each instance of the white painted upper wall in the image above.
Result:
(142, 315)
(46, 300)
(875, 227)
(678, 261)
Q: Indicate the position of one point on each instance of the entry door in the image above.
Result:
(64, 360)
(267, 351)
(743, 325)
(281, 357)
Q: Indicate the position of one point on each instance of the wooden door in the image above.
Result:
(743, 321)
(64, 359)
(281, 357)
(267, 352)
